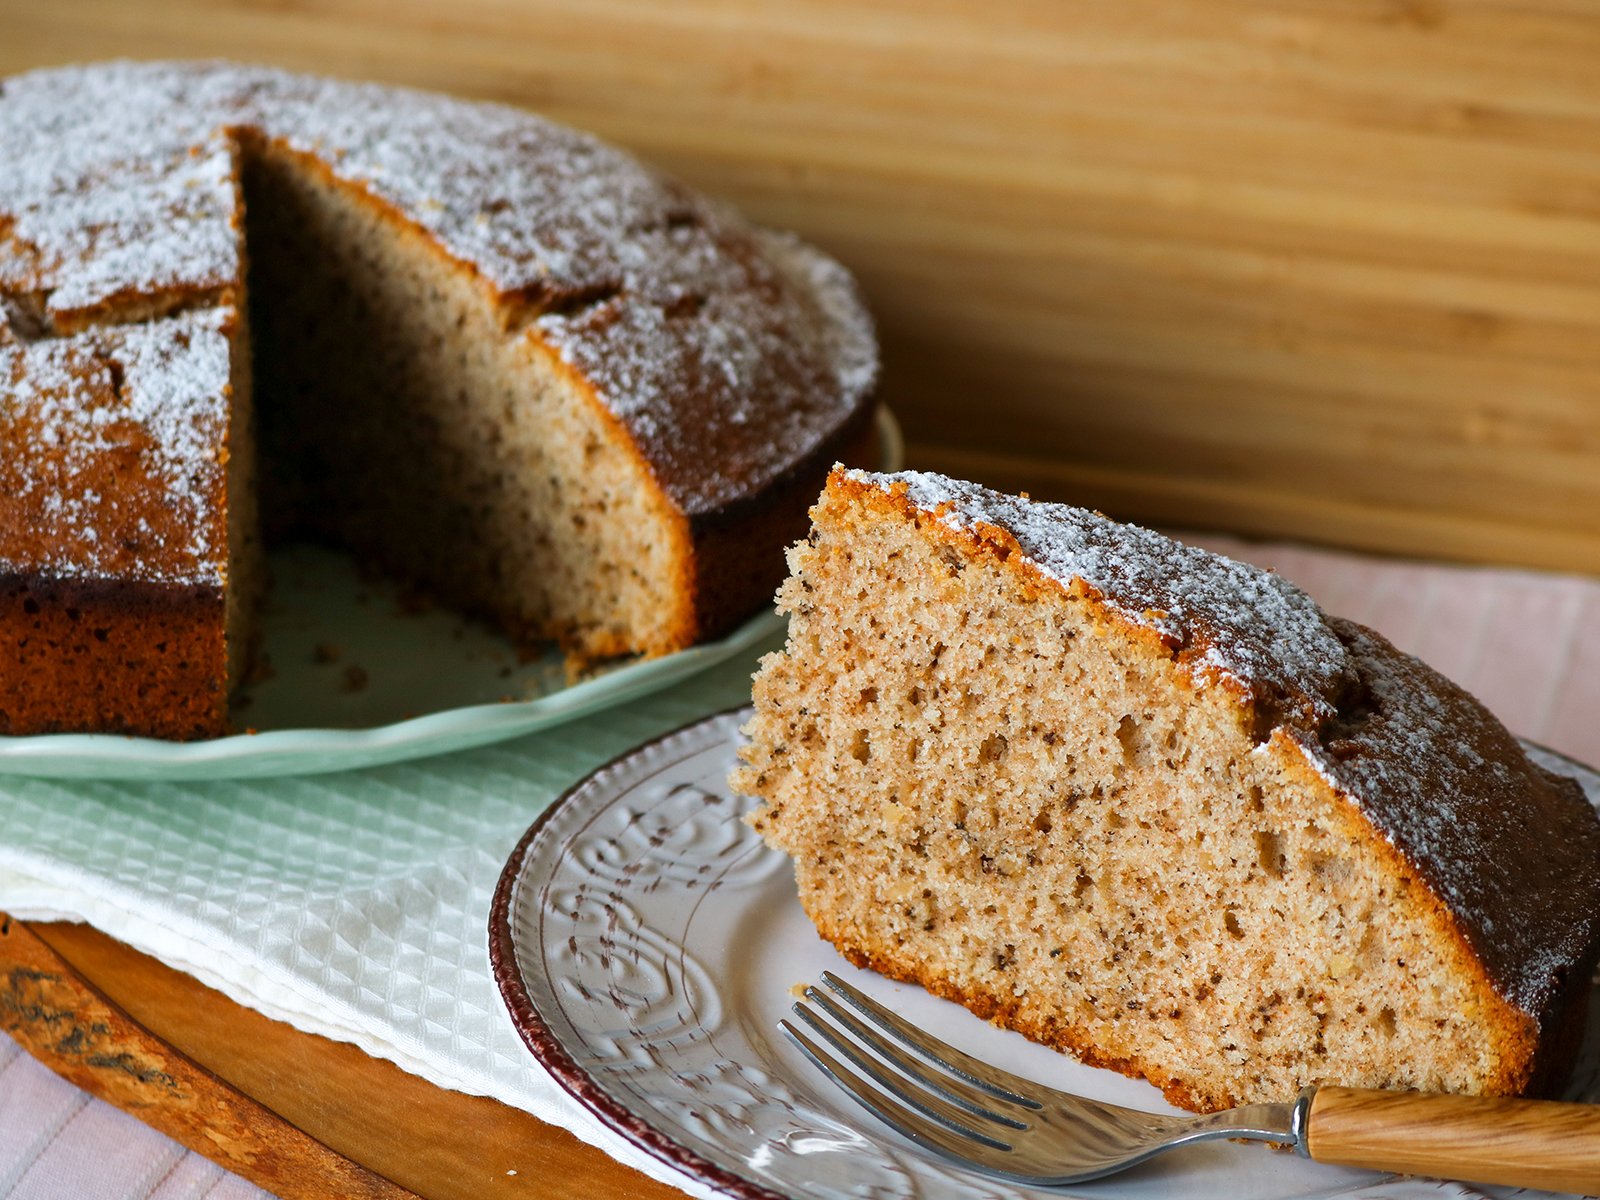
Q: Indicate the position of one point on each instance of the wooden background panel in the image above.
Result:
(1327, 269)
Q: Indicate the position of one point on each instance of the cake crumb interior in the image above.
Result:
(991, 789)
(401, 417)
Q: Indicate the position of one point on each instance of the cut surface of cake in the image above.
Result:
(1153, 807)
(487, 353)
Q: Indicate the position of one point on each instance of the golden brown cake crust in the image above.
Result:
(1511, 850)
(75, 651)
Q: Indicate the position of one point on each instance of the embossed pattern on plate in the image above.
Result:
(645, 942)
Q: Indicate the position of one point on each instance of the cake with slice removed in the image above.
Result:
(1153, 807)
(489, 355)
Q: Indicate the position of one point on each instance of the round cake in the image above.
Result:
(487, 353)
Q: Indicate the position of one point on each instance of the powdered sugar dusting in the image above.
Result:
(841, 314)
(112, 188)
(726, 361)
(534, 206)
(125, 428)
(719, 359)
(1255, 627)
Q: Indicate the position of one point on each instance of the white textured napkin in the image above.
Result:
(354, 905)
(56, 1143)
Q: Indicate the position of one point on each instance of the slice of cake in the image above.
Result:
(1153, 807)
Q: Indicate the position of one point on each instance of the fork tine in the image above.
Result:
(981, 1075)
(951, 1087)
(929, 1104)
(897, 1116)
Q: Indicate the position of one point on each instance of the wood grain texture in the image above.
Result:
(292, 1112)
(1516, 1143)
(1319, 268)
(60, 1019)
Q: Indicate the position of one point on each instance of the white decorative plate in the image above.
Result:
(646, 942)
(357, 674)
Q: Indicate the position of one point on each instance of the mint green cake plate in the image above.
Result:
(356, 675)
(354, 679)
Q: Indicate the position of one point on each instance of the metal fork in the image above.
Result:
(1003, 1125)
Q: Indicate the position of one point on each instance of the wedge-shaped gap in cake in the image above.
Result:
(402, 419)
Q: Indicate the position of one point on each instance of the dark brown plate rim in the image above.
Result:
(542, 1043)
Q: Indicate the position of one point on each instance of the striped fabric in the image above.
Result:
(56, 1143)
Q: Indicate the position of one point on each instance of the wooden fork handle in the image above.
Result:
(1520, 1143)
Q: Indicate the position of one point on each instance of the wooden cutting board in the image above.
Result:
(299, 1115)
